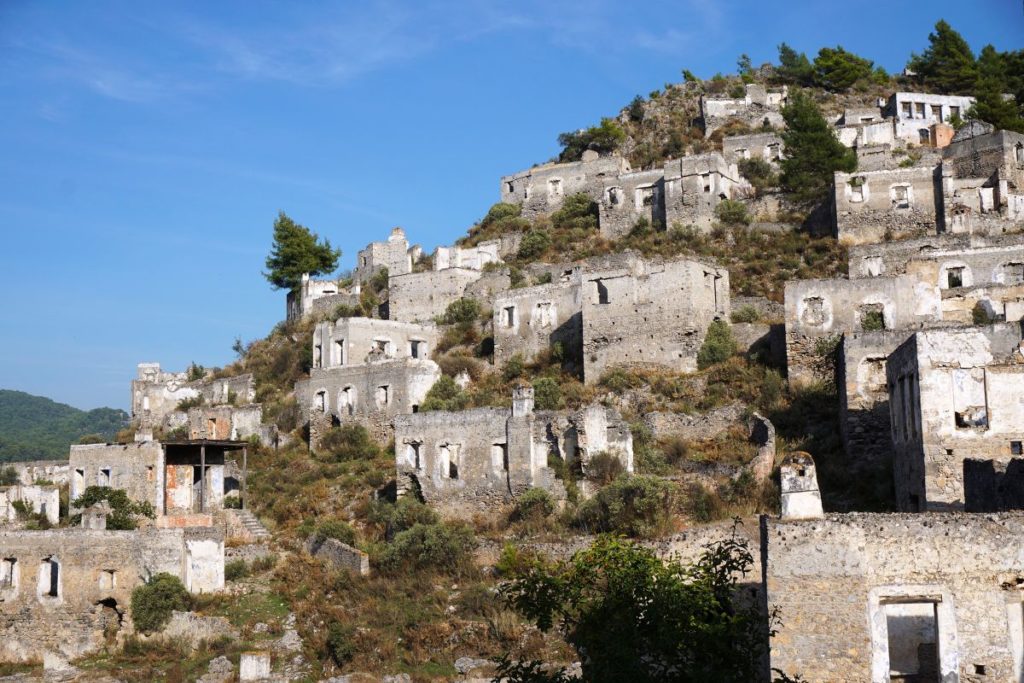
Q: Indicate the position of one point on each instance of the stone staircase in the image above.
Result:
(253, 526)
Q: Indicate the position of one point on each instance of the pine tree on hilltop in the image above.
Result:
(948, 65)
(813, 152)
(296, 251)
(993, 81)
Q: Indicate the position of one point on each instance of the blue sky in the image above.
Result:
(147, 147)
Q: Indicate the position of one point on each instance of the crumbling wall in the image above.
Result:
(53, 471)
(766, 146)
(226, 422)
(819, 310)
(846, 585)
(953, 394)
(370, 394)
(69, 586)
(421, 297)
(353, 341)
(393, 254)
(758, 107)
(876, 206)
(542, 189)
(135, 467)
(650, 314)
(532, 320)
(41, 500)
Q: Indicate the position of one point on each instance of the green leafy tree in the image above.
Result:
(295, 251)
(994, 69)
(123, 510)
(153, 601)
(444, 395)
(8, 476)
(461, 311)
(744, 68)
(813, 152)
(534, 244)
(603, 139)
(836, 70)
(349, 441)
(547, 394)
(633, 617)
(794, 68)
(947, 64)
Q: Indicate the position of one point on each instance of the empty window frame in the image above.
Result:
(555, 188)
(905, 108)
(8, 573)
(955, 277)
(602, 292)
(499, 457)
(913, 638)
(545, 314)
(383, 397)
(936, 112)
(320, 402)
(347, 401)
(509, 316)
(108, 579)
(103, 477)
(900, 196)
(614, 196)
(856, 186)
(814, 311)
(954, 112)
(317, 356)
(49, 578)
(412, 454)
(339, 352)
(417, 348)
(919, 110)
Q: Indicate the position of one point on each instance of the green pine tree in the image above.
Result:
(813, 153)
(947, 65)
(296, 251)
(794, 68)
(836, 70)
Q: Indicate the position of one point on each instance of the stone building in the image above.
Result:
(532, 320)
(914, 113)
(65, 591)
(821, 310)
(953, 394)
(183, 480)
(766, 146)
(542, 189)
(356, 341)
(371, 394)
(649, 314)
(230, 423)
(156, 394)
(759, 106)
(394, 254)
(896, 597)
(40, 500)
(424, 296)
(318, 296)
(476, 459)
(472, 258)
(876, 206)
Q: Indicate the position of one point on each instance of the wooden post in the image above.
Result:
(202, 478)
(245, 476)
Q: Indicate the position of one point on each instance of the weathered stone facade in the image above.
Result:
(355, 341)
(880, 597)
(914, 113)
(65, 591)
(873, 206)
(394, 254)
(156, 394)
(542, 189)
(644, 314)
(370, 394)
(40, 500)
(758, 107)
(422, 297)
(953, 394)
(476, 459)
(766, 146)
(532, 320)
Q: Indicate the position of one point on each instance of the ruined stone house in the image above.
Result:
(156, 394)
(542, 189)
(472, 460)
(67, 591)
(532, 320)
(318, 296)
(650, 314)
(759, 107)
(765, 146)
(40, 500)
(393, 254)
(954, 394)
(915, 113)
(876, 206)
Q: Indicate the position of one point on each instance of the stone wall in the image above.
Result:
(339, 555)
(873, 206)
(226, 422)
(421, 297)
(542, 189)
(393, 254)
(863, 595)
(54, 471)
(767, 146)
(41, 500)
(953, 394)
(370, 394)
(823, 309)
(650, 314)
(531, 320)
(61, 589)
(137, 468)
(984, 259)
(156, 394)
(354, 341)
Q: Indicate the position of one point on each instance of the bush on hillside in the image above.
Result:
(123, 510)
(534, 244)
(444, 395)
(441, 547)
(462, 311)
(718, 345)
(547, 394)
(349, 442)
(732, 212)
(338, 530)
(636, 506)
(153, 601)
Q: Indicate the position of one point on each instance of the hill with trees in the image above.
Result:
(37, 428)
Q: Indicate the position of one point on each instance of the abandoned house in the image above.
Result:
(356, 341)
(953, 394)
(539, 319)
(914, 113)
(393, 254)
(759, 107)
(542, 189)
(475, 459)
(765, 146)
(156, 394)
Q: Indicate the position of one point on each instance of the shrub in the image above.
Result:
(758, 173)
(603, 139)
(192, 402)
(604, 467)
(718, 345)
(534, 244)
(619, 380)
(444, 395)
(703, 505)
(462, 311)
(533, 505)
(745, 314)
(980, 314)
(514, 368)
(8, 476)
(578, 211)
(636, 506)
(123, 510)
(265, 563)
(340, 645)
(338, 530)
(547, 394)
(443, 547)
(196, 372)
(400, 516)
(233, 502)
(732, 212)
(235, 570)
(91, 438)
(379, 281)
(153, 601)
(872, 321)
(349, 442)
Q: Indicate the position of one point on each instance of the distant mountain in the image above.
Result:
(36, 428)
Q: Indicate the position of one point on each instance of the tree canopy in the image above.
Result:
(947, 64)
(794, 68)
(633, 617)
(813, 152)
(602, 139)
(296, 250)
(836, 69)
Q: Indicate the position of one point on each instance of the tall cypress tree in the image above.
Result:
(813, 152)
(296, 251)
(948, 65)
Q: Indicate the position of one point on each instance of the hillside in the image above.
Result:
(37, 428)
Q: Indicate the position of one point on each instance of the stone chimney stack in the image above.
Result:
(801, 498)
(522, 401)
